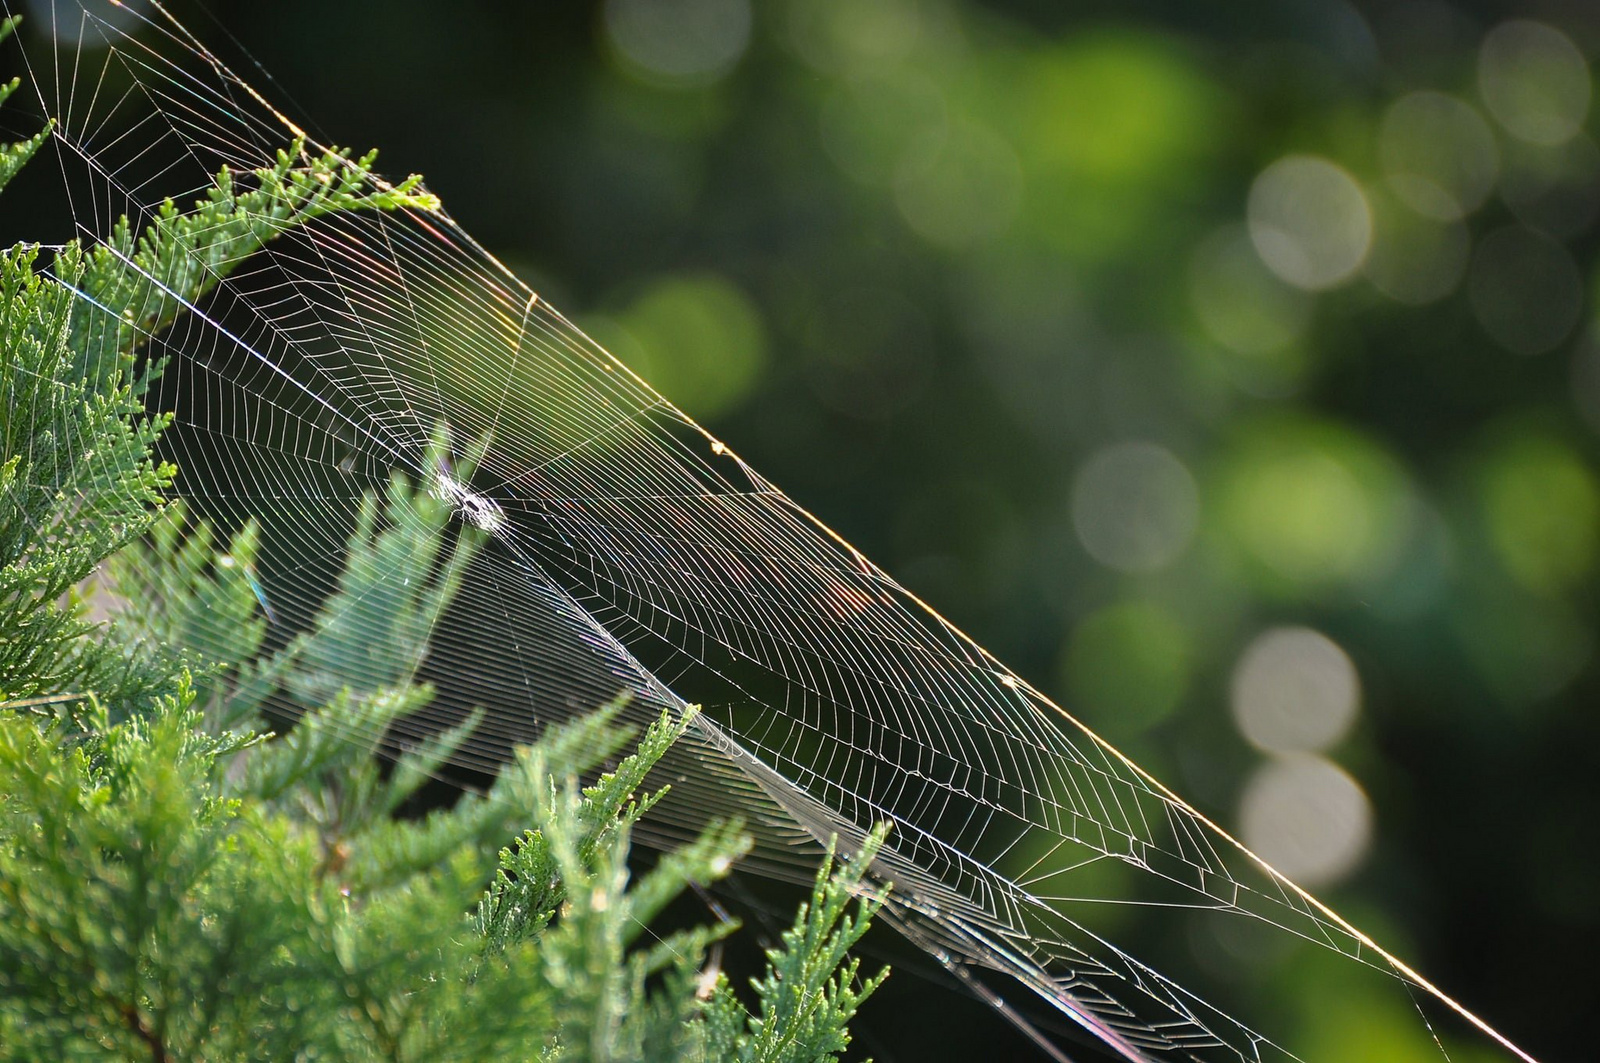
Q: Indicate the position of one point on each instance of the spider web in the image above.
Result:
(626, 548)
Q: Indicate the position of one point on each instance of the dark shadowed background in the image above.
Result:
(1228, 369)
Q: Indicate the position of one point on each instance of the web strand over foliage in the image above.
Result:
(604, 541)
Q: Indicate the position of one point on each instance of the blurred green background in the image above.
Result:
(1228, 369)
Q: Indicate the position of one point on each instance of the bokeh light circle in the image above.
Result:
(1317, 505)
(867, 124)
(1554, 188)
(1415, 259)
(959, 186)
(1294, 690)
(1439, 154)
(1541, 506)
(1534, 80)
(1306, 817)
(1127, 666)
(697, 337)
(853, 38)
(683, 41)
(1526, 290)
(1135, 506)
(1240, 303)
(1309, 221)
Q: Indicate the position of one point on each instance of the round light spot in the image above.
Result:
(1295, 690)
(1307, 818)
(1127, 666)
(1439, 154)
(1309, 221)
(698, 339)
(1534, 80)
(1556, 189)
(1315, 504)
(1527, 647)
(1240, 303)
(1110, 125)
(1415, 259)
(850, 38)
(867, 125)
(1135, 506)
(1526, 291)
(1257, 319)
(959, 186)
(1541, 503)
(688, 42)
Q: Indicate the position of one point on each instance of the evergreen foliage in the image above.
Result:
(176, 883)
(14, 157)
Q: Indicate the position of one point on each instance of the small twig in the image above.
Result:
(158, 1050)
